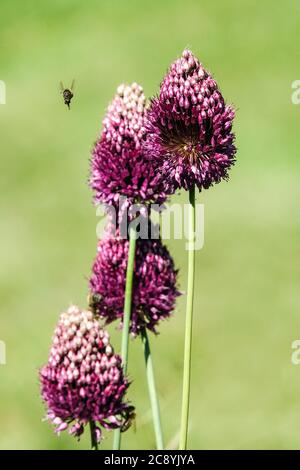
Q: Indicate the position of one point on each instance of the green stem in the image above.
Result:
(152, 391)
(94, 443)
(188, 326)
(126, 318)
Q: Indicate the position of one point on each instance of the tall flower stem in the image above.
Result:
(127, 313)
(94, 443)
(188, 325)
(152, 391)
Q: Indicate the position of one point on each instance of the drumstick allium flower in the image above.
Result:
(154, 282)
(119, 166)
(189, 127)
(83, 380)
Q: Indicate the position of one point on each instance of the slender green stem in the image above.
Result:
(188, 326)
(127, 313)
(152, 391)
(94, 443)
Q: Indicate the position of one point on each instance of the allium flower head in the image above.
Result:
(189, 127)
(118, 165)
(154, 284)
(83, 379)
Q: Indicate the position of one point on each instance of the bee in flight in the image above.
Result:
(67, 93)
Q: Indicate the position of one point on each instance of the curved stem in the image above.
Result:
(152, 391)
(188, 325)
(94, 443)
(126, 317)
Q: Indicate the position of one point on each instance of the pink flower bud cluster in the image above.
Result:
(83, 379)
(119, 166)
(125, 119)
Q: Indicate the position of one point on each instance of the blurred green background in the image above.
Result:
(245, 391)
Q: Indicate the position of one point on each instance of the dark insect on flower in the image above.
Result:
(130, 419)
(93, 302)
(67, 93)
(189, 127)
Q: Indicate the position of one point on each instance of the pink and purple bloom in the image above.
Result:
(83, 380)
(154, 284)
(189, 127)
(119, 166)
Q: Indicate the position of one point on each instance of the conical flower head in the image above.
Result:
(154, 284)
(189, 127)
(119, 166)
(83, 379)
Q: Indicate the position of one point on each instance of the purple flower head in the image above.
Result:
(83, 379)
(189, 127)
(154, 285)
(119, 166)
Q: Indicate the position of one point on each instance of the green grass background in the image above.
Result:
(245, 391)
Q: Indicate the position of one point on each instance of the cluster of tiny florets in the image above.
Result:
(154, 284)
(124, 123)
(83, 379)
(189, 127)
(119, 166)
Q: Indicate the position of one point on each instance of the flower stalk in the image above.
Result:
(94, 443)
(127, 313)
(188, 326)
(152, 391)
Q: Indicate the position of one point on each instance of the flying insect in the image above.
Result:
(67, 93)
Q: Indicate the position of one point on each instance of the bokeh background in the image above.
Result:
(245, 390)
